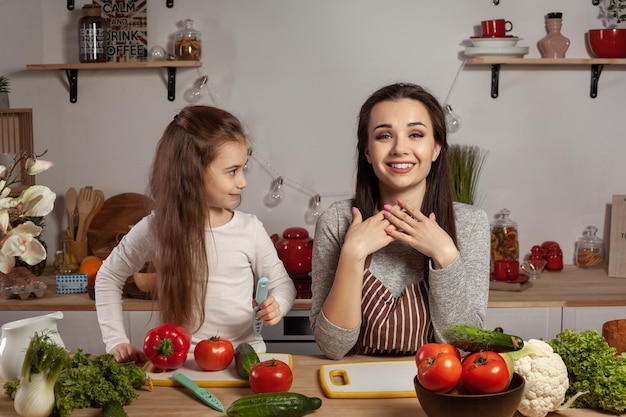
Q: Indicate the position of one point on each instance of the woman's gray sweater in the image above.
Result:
(457, 293)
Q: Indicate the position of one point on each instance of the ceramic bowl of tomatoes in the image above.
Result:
(452, 404)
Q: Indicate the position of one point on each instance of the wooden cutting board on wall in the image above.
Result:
(617, 251)
(118, 214)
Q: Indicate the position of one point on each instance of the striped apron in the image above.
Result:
(393, 325)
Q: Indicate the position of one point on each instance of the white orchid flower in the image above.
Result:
(8, 203)
(36, 166)
(4, 221)
(37, 200)
(21, 242)
(6, 263)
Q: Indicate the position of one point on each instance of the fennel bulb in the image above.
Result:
(35, 396)
(43, 363)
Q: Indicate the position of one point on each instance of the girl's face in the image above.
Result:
(401, 146)
(225, 179)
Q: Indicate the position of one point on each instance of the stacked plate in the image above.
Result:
(504, 47)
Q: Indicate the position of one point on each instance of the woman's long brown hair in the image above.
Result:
(438, 197)
(177, 185)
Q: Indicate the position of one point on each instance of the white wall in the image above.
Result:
(296, 72)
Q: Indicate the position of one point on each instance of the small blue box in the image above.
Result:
(71, 283)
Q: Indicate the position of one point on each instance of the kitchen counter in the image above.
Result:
(572, 287)
(170, 401)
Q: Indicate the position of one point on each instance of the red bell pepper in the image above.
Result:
(167, 346)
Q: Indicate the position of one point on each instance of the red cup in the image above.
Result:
(496, 28)
(506, 269)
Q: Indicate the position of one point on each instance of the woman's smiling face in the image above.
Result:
(401, 146)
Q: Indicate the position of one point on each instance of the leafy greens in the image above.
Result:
(593, 368)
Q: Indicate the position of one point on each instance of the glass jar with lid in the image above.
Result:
(188, 43)
(589, 249)
(504, 237)
(92, 35)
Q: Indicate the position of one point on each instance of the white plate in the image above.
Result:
(510, 51)
(494, 42)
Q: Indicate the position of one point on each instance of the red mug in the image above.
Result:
(506, 269)
(496, 28)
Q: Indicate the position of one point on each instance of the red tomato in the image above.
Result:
(432, 349)
(271, 375)
(439, 373)
(214, 354)
(485, 372)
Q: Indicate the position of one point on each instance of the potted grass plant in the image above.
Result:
(5, 89)
(466, 163)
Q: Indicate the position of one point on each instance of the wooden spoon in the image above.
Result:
(84, 205)
(70, 204)
(98, 197)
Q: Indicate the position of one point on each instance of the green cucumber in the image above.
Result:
(245, 358)
(113, 409)
(273, 404)
(473, 339)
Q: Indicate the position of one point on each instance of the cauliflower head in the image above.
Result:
(546, 378)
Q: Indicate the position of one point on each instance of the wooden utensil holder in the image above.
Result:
(79, 250)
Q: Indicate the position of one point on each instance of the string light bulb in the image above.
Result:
(274, 197)
(313, 213)
(453, 120)
(194, 94)
(246, 167)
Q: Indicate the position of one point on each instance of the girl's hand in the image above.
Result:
(421, 233)
(269, 311)
(366, 237)
(125, 352)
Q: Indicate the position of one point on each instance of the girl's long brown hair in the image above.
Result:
(177, 185)
(438, 197)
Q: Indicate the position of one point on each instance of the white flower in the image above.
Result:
(36, 166)
(37, 200)
(21, 242)
(17, 232)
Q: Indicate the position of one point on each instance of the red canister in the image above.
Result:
(555, 259)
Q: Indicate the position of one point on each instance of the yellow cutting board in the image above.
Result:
(225, 378)
(391, 379)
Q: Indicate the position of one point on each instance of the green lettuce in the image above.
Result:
(594, 369)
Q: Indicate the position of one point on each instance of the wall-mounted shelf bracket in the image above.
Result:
(71, 71)
(495, 79)
(171, 83)
(596, 70)
(496, 2)
(597, 64)
(70, 4)
(169, 3)
(595, 2)
(72, 79)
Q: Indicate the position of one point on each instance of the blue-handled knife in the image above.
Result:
(204, 395)
(260, 296)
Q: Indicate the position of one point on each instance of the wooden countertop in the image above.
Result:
(171, 401)
(572, 287)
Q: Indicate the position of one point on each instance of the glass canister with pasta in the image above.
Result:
(504, 237)
(589, 249)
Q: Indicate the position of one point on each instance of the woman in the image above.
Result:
(393, 267)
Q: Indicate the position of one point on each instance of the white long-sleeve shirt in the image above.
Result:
(239, 253)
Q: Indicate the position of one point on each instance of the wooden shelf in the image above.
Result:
(543, 61)
(70, 4)
(71, 71)
(597, 64)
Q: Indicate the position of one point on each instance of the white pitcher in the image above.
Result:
(16, 336)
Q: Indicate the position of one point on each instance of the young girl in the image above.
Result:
(208, 256)
(396, 265)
